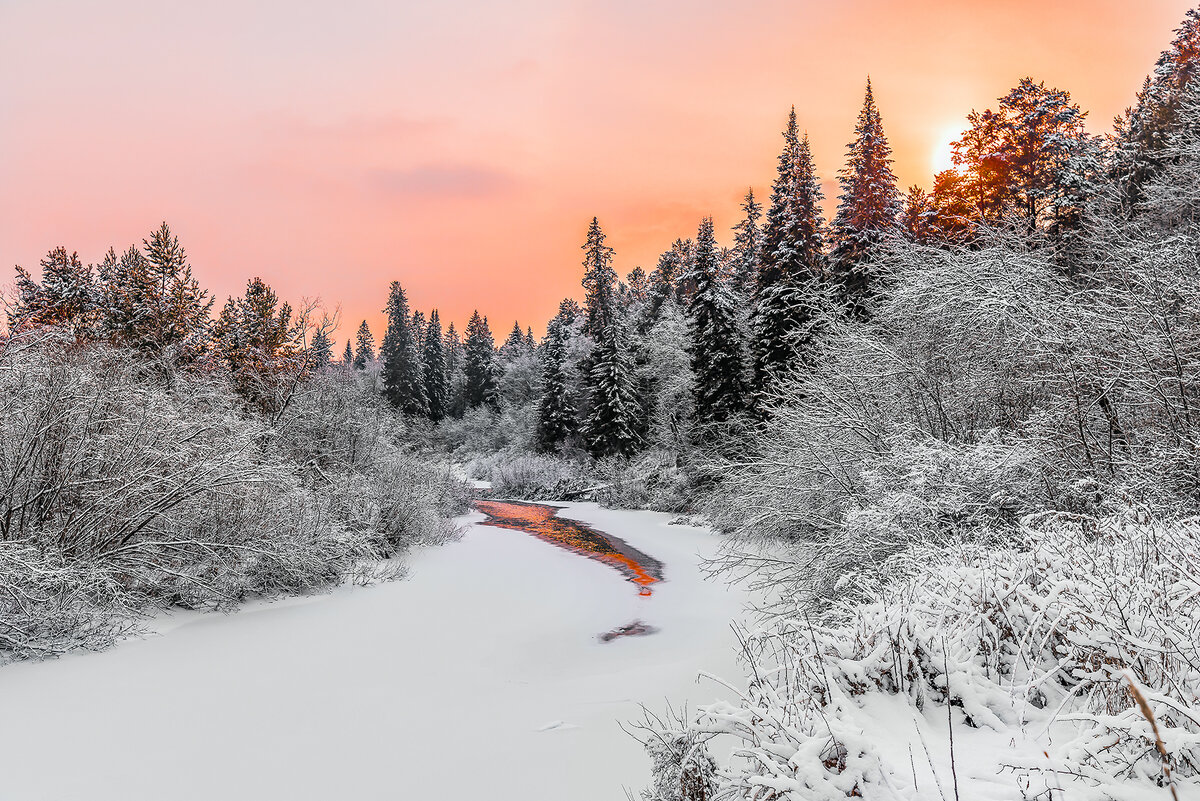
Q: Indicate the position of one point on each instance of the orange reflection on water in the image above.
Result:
(543, 522)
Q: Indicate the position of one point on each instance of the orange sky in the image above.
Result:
(462, 147)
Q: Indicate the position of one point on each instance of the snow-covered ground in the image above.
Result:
(480, 676)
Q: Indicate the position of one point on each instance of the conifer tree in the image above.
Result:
(868, 206)
(177, 310)
(479, 364)
(418, 330)
(348, 355)
(556, 411)
(66, 295)
(791, 266)
(364, 346)
(435, 368)
(321, 348)
(456, 377)
(259, 342)
(515, 345)
(151, 301)
(716, 352)
(613, 407)
(403, 377)
(748, 246)
(1144, 131)
(599, 281)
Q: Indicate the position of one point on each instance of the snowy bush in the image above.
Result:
(123, 493)
(1016, 671)
(535, 477)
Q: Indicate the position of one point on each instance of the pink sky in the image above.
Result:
(462, 147)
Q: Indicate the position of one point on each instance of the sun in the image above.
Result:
(942, 157)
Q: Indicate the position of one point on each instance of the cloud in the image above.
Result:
(441, 181)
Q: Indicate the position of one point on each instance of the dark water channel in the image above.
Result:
(543, 522)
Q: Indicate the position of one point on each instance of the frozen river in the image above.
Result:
(480, 675)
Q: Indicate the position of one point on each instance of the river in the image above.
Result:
(485, 673)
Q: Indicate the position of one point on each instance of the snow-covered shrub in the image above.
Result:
(1024, 654)
(124, 492)
(352, 448)
(476, 432)
(535, 477)
(681, 765)
(654, 479)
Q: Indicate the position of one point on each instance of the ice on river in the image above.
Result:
(479, 676)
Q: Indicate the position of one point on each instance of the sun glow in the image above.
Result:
(942, 157)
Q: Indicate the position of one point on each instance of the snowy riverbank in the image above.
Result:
(479, 675)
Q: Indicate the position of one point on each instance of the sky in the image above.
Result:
(462, 148)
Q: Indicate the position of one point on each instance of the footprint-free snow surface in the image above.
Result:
(480, 675)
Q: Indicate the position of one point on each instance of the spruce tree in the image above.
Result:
(456, 377)
(348, 355)
(418, 330)
(556, 411)
(792, 264)
(868, 207)
(435, 368)
(716, 351)
(515, 346)
(748, 246)
(403, 378)
(613, 408)
(321, 350)
(479, 364)
(364, 346)
(1143, 133)
(599, 281)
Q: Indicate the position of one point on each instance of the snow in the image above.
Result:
(480, 675)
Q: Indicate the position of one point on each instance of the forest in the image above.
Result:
(948, 435)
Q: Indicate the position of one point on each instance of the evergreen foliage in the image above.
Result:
(364, 346)
(436, 388)
(599, 281)
(611, 422)
(748, 241)
(716, 345)
(479, 365)
(868, 207)
(793, 262)
(402, 372)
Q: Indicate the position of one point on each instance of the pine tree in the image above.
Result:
(792, 264)
(748, 239)
(259, 342)
(1028, 159)
(435, 369)
(175, 315)
(716, 351)
(403, 377)
(348, 355)
(599, 281)
(479, 364)
(613, 408)
(66, 295)
(917, 216)
(151, 301)
(364, 347)
(867, 208)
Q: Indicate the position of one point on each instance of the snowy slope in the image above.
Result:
(478, 676)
